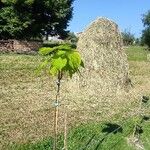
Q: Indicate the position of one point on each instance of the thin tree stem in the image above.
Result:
(56, 110)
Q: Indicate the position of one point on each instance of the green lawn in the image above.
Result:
(96, 136)
(26, 116)
(137, 53)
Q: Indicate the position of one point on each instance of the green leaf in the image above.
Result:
(42, 66)
(60, 53)
(45, 50)
(53, 71)
(66, 47)
(74, 60)
(59, 63)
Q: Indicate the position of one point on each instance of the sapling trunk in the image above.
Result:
(59, 77)
(63, 59)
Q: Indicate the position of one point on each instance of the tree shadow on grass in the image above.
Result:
(111, 128)
(145, 118)
(89, 141)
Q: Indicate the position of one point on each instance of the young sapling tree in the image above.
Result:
(59, 61)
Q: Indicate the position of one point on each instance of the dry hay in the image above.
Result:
(105, 76)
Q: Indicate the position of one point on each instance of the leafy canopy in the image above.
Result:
(146, 19)
(61, 58)
(146, 31)
(128, 38)
(34, 18)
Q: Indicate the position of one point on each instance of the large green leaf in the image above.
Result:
(74, 59)
(59, 63)
(53, 71)
(66, 47)
(45, 50)
(61, 53)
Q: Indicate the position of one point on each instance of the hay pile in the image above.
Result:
(105, 75)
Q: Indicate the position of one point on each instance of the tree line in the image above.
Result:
(33, 19)
(26, 19)
(129, 38)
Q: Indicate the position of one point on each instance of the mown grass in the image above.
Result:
(146, 136)
(26, 113)
(95, 136)
(137, 53)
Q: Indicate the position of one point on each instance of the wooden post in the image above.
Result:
(65, 130)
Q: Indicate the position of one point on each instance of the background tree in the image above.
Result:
(34, 18)
(137, 41)
(146, 31)
(72, 38)
(11, 25)
(128, 38)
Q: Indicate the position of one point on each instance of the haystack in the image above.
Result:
(106, 69)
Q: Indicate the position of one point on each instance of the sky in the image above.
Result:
(126, 13)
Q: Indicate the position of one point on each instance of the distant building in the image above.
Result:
(78, 34)
(53, 38)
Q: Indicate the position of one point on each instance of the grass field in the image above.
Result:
(137, 53)
(26, 111)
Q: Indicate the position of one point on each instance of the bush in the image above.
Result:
(128, 38)
(57, 43)
(72, 38)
